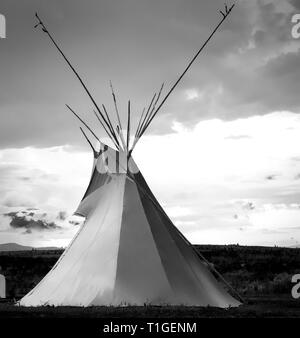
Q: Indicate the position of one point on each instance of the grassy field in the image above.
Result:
(256, 307)
(262, 275)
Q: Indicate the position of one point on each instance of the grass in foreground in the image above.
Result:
(256, 307)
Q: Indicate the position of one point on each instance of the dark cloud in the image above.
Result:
(276, 25)
(283, 66)
(295, 3)
(27, 232)
(259, 37)
(271, 177)
(283, 74)
(27, 222)
(74, 222)
(62, 215)
(249, 206)
(25, 178)
(147, 42)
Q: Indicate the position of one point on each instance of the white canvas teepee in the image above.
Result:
(127, 251)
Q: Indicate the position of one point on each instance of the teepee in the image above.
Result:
(127, 252)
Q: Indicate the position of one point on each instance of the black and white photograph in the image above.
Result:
(149, 164)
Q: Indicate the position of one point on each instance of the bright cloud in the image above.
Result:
(50, 181)
(220, 182)
(192, 94)
(218, 167)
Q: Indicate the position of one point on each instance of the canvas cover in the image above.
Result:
(127, 252)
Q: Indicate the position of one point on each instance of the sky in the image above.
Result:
(222, 156)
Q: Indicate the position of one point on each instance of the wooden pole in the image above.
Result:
(150, 110)
(80, 119)
(140, 126)
(40, 23)
(225, 15)
(89, 142)
(103, 125)
(153, 108)
(118, 116)
(147, 114)
(140, 120)
(109, 125)
(128, 126)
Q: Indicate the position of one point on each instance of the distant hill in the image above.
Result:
(18, 247)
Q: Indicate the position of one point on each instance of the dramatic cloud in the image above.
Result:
(224, 184)
(62, 215)
(28, 221)
(216, 188)
(36, 227)
(250, 68)
(221, 156)
(40, 206)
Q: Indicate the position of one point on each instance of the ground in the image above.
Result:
(261, 275)
(255, 307)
